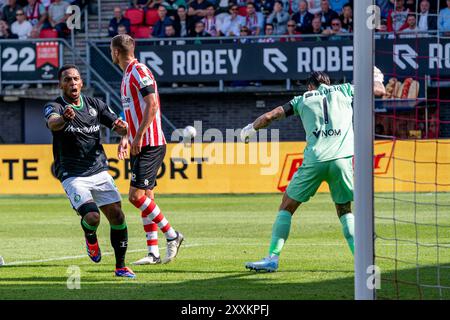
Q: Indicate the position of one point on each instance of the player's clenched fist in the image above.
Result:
(120, 127)
(68, 114)
(247, 132)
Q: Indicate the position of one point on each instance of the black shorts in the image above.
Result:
(145, 167)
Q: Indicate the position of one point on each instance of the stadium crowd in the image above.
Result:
(331, 19)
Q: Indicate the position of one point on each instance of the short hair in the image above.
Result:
(280, 2)
(268, 25)
(252, 4)
(124, 43)
(67, 67)
(317, 78)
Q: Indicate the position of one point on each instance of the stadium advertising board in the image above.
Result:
(279, 61)
(416, 165)
(29, 61)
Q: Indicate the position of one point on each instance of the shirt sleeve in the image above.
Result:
(106, 115)
(296, 104)
(347, 89)
(52, 108)
(144, 79)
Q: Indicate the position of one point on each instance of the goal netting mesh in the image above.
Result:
(412, 165)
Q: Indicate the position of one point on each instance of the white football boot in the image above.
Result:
(173, 247)
(150, 259)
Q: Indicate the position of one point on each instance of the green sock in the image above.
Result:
(280, 232)
(348, 228)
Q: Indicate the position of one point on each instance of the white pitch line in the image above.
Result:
(15, 263)
(330, 244)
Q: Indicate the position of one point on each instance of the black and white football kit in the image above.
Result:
(80, 160)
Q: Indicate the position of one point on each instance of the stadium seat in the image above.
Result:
(151, 17)
(242, 11)
(48, 33)
(143, 32)
(136, 16)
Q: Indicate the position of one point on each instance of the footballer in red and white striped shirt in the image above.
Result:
(137, 82)
(141, 106)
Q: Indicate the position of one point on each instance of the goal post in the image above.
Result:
(363, 59)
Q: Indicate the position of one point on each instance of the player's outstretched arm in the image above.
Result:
(262, 121)
(121, 127)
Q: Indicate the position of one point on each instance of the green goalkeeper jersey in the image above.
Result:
(326, 114)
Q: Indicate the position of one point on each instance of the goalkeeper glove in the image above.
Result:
(247, 132)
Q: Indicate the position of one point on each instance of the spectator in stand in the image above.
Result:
(5, 32)
(118, 19)
(232, 23)
(37, 16)
(338, 5)
(317, 28)
(444, 20)
(21, 27)
(268, 31)
(121, 29)
(267, 6)
(314, 6)
(278, 18)
(397, 17)
(291, 32)
(426, 20)
(183, 23)
(336, 31)
(327, 15)
(210, 21)
(46, 3)
(9, 11)
(169, 31)
(57, 17)
(410, 29)
(197, 9)
(244, 32)
(173, 5)
(140, 4)
(2, 3)
(347, 18)
(254, 20)
(199, 32)
(411, 5)
(385, 7)
(164, 20)
(303, 18)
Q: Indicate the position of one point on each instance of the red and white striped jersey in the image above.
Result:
(137, 78)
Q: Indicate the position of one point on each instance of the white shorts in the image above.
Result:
(99, 188)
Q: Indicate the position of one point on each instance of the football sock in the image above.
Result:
(150, 212)
(89, 232)
(119, 241)
(151, 231)
(280, 232)
(348, 228)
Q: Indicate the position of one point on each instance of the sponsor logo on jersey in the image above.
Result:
(327, 133)
(91, 129)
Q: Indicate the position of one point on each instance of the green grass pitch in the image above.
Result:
(41, 237)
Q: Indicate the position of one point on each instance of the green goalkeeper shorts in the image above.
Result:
(337, 173)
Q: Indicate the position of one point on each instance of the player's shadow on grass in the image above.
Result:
(243, 285)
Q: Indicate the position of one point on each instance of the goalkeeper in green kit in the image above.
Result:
(326, 113)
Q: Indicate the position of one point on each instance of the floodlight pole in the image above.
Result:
(363, 123)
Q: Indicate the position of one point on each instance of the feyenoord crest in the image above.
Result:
(92, 112)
